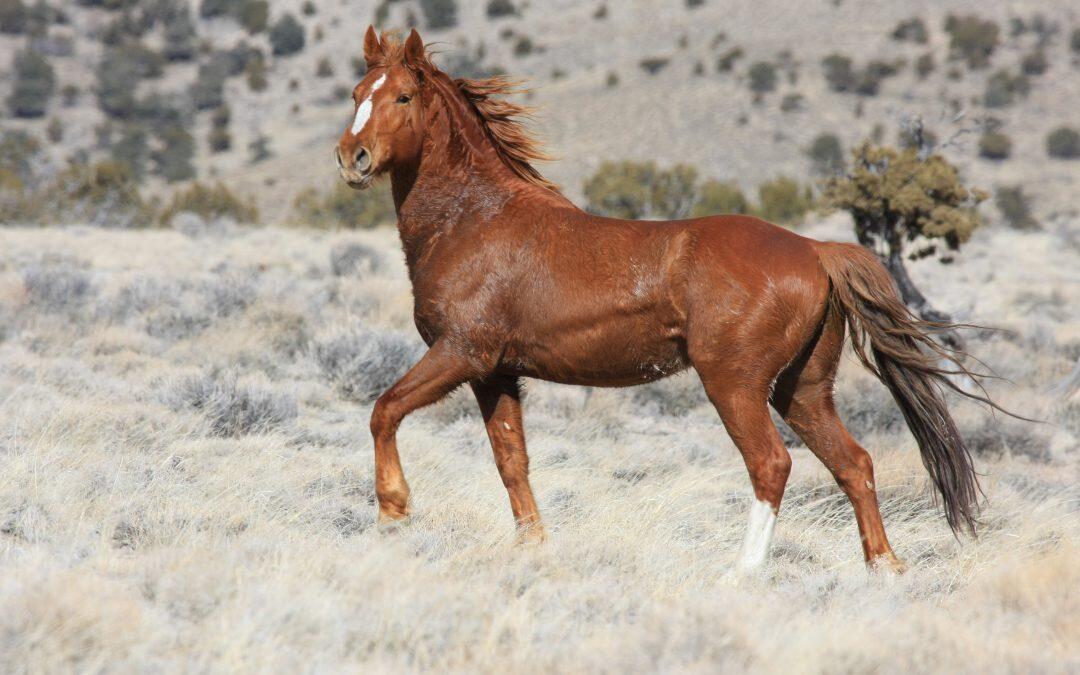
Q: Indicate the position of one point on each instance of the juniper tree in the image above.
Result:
(905, 204)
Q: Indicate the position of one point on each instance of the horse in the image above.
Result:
(511, 280)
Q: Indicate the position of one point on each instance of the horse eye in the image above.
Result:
(404, 98)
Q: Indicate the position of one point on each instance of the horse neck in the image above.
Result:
(459, 174)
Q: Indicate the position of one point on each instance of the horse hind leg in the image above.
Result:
(744, 412)
(804, 398)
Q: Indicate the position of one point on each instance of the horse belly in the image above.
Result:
(616, 354)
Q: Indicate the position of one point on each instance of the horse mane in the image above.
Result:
(502, 120)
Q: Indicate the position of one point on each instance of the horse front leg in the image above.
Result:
(499, 398)
(439, 372)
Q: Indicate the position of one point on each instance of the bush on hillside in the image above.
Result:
(14, 16)
(287, 36)
(911, 30)
(924, 65)
(839, 72)
(35, 83)
(179, 36)
(995, 145)
(972, 39)
(254, 15)
(1063, 143)
(1015, 207)
(210, 202)
(173, 161)
(637, 190)
(782, 200)
(1035, 63)
(344, 207)
(1003, 89)
(762, 77)
(716, 197)
(826, 154)
(497, 9)
(439, 14)
(725, 63)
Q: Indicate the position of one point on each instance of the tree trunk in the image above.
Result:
(909, 293)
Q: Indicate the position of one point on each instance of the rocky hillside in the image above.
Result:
(740, 91)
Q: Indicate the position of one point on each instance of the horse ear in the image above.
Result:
(373, 49)
(414, 49)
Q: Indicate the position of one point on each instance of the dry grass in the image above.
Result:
(184, 486)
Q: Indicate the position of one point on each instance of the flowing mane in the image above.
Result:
(503, 120)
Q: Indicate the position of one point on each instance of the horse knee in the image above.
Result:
(769, 473)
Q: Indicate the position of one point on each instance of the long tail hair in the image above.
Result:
(914, 367)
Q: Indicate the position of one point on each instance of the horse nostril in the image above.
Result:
(337, 157)
(363, 159)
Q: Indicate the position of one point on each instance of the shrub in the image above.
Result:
(208, 89)
(209, 202)
(69, 95)
(105, 194)
(13, 16)
(352, 257)
(1034, 63)
(210, 9)
(324, 68)
(907, 138)
(1015, 207)
(132, 149)
(869, 80)
(56, 287)
(1074, 41)
(179, 36)
(912, 30)
(54, 130)
(259, 149)
(18, 155)
(972, 39)
(219, 139)
(497, 9)
(791, 102)
(230, 408)
(639, 190)
(839, 73)
(924, 65)
(762, 77)
(34, 85)
(173, 161)
(308, 8)
(716, 197)
(826, 154)
(343, 207)
(1063, 143)
(1003, 89)
(287, 36)
(255, 73)
(523, 46)
(725, 63)
(364, 363)
(439, 14)
(897, 197)
(995, 145)
(782, 200)
(115, 84)
(254, 15)
(654, 64)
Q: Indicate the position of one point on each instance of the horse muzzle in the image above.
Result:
(356, 170)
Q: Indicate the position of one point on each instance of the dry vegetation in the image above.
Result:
(186, 484)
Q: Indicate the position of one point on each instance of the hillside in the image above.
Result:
(616, 80)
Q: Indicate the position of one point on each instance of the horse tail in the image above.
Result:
(911, 365)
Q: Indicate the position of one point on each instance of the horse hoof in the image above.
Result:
(888, 563)
(529, 535)
(390, 523)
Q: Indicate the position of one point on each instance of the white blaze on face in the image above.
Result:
(363, 112)
(759, 533)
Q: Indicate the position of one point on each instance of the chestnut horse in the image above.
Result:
(511, 280)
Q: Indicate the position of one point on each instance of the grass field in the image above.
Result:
(186, 485)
